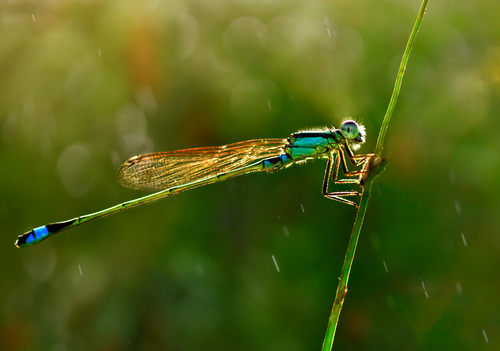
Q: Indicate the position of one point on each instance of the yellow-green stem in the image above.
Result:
(371, 170)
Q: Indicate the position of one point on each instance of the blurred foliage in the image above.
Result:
(87, 84)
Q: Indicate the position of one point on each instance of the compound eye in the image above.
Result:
(350, 130)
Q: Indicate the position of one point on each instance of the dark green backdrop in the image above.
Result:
(85, 85)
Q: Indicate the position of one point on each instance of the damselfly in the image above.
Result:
(175, 171)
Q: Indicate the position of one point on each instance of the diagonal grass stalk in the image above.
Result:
(373, 167)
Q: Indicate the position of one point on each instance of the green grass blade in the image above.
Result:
(374, 167)
(399, 80)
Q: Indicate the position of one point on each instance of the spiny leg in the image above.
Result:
(333, 170)
(356, 160)
(333, 165)
(337, 195)
(347, 173)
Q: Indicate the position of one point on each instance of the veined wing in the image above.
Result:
(163, 170)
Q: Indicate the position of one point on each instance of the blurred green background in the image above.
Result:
(84, 85)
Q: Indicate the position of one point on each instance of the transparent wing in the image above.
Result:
(163, 170)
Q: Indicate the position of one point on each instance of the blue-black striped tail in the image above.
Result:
(41, 233)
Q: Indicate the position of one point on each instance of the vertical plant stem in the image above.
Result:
(399, 80)
(344, 277)
(374, 166)
(372, 169)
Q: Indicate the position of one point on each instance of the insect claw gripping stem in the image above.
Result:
(372, 168)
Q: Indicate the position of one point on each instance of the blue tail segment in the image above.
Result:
(32, 237)
(41, 233)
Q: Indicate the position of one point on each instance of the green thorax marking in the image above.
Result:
(311, 144)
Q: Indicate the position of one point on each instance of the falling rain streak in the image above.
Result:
(463, 238)
(327, 24)
(275, 263)
(485, 336)
(425, 291)
(286, 231)
(385, 266)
